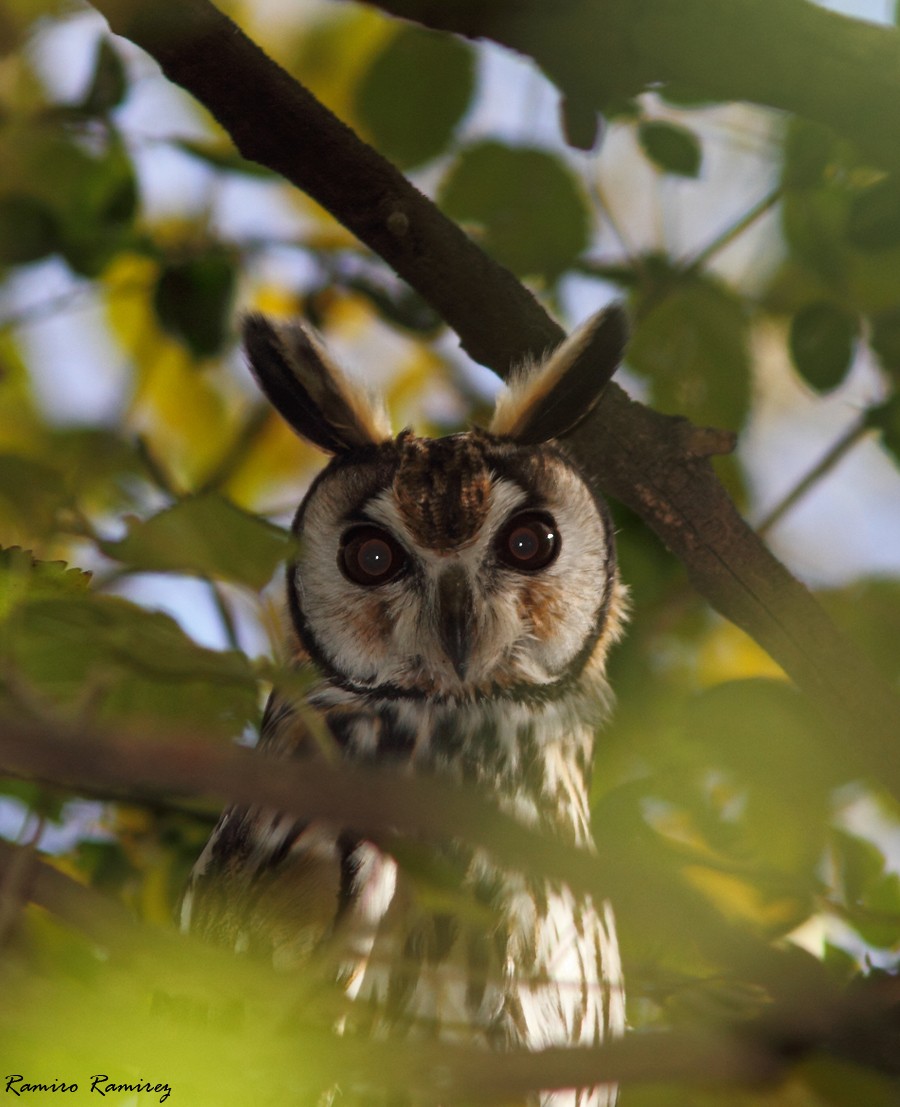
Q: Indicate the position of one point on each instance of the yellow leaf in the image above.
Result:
(274, 470)
(727, 653)
(19, 424)
(743, 901)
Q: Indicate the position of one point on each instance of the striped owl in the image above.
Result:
(455, 599)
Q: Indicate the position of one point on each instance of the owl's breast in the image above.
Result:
(540, 968)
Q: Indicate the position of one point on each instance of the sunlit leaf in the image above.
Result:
(672, 148)
(205, 535)
(187, 418)
(870, 891)
(125, 663)
(739, 898)
(822, 342)
(416, 90)
(523, 205)
(728, 653)
(22, 577)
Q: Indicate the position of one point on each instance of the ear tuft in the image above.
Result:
(546, 401)
(299, 379)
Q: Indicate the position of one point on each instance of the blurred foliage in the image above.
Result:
(711, 780)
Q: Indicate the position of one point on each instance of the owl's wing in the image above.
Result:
(266, 882)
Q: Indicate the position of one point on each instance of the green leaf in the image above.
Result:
(692, 344)
(96, 464)
(582, 124)
(765, 736)
(871, 895)
(684, 95)
(31, 494)
(886, 419)
(859, 864)
(22, 577)
(672, 148)
(884, 339)
(827, 1081)
(822, 342)
(126, 663)
(814, 223)
(809, 149)
(399, 305)
(28, 229)
(193, 300)
(869, 612)
(108, 81)
(873, 222)
(414, 93)
(523, 205)
(95, 196)
(207, 536)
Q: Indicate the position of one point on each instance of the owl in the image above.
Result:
(453, 601)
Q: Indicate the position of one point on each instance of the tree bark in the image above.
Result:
(656, 464)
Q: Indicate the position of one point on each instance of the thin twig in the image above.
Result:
(821, 469)
(734, 231)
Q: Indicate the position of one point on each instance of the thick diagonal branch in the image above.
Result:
(653, 463)
(792, 55)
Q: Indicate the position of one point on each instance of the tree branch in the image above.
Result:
(842, 72)
(469, 1073)
(386, 805)
(647, 460)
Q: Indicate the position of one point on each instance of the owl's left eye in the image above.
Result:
(370, 556)
(529, 541)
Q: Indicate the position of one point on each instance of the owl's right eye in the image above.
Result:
(370, 556)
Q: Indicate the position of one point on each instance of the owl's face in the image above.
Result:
(477, 564)
(457, 566)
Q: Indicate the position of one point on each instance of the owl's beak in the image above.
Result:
(456, 617)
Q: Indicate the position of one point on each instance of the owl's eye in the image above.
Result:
(528, 541)
(370, 555)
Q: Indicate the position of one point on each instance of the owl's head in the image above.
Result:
(480, 564)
